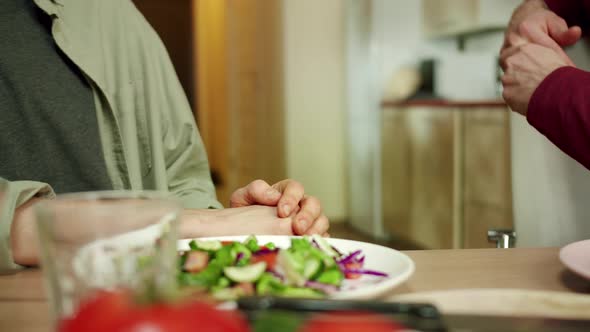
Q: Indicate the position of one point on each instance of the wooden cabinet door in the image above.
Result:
(417, 167)
(446, 175)
(487, 186)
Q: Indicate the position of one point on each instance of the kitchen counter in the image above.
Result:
(24, 307)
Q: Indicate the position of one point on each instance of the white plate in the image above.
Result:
(576, 256)
(397, 265)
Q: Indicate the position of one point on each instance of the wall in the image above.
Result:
(314, 100)
(382, 36)
(550, 189)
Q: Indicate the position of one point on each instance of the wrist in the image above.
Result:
(196, 223)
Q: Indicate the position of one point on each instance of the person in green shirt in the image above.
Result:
(90, 101)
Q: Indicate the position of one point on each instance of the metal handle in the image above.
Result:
(504, 238)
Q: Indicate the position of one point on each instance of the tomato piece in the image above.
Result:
(157, 318)
(196, 261)
(226, 243)
(350, 322)
(352, 266)
(115, 312)
(101, 307)
(204, 317)
(269, 258)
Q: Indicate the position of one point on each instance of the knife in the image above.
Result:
(416, 316)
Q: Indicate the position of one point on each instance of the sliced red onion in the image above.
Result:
(315, 244)
(276, 274)
(239, 256)
(265, 251)
(337, 251)
(350, 258)
(367, 272)
(324, 288)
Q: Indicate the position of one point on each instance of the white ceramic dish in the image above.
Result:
(576, 257)
(397, 265)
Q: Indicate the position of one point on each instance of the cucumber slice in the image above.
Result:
(248, 273)
(312, 267)
(300, 292)
(293, 269)
(208, 245)
(324, 245)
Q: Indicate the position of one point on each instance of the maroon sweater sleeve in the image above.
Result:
(574, 12)
(560, 110)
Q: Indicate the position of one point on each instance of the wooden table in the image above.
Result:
(24, 308)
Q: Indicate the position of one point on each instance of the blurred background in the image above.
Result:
(389, 111)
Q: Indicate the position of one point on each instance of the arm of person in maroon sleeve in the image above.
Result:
(560, 109)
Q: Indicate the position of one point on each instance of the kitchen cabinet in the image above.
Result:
(445, 174)
(457, 17)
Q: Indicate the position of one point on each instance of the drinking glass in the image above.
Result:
(116, 240)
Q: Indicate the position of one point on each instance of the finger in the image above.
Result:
(320, 226)
(292, 193)
(559, 31)
(571, 36)
(538, 36)
(516, 40)
(326, 234)
(311, 209)
(508, 79)
(257, 192)
(506, 54)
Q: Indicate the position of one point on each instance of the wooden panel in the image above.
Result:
(256, 91)
(418, 175)
(177, 37)
(432, 188)
(487, 192)
(240, 90)
(396, 165)
(212, 90)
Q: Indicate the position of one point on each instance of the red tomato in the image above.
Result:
(115, 312)
(104, 304)
(204, 317)
(269, 258)
(350, 322)
(158, 318)
(355, 266)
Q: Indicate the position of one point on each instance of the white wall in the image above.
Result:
(315, 101)
(551, 190)
(382, 36)
(363, 120)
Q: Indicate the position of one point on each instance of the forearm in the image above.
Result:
(560, 110)
(255, 219)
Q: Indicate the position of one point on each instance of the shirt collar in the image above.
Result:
(51, 7)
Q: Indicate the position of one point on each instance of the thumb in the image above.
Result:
(567, 37)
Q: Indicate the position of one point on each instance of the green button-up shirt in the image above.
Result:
(148, 133)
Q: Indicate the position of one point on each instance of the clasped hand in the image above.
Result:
(532, 50)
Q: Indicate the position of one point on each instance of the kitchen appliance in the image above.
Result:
(467, 77)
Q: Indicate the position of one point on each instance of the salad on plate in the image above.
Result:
(310, 267)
